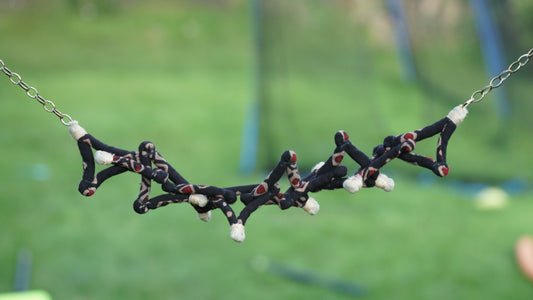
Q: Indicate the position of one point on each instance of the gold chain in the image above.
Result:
(477, 96)
(498, 80)
(48, 105)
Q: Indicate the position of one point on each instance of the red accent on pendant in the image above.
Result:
(187, 190)
(137, 168)
(345, 136)
(295, 181)
(371, 172)
(260, 190)
(280, 195)
(293, 157)
(339, 158)
(445, 171)
(408, 136)
(115, 158)
(90, 193)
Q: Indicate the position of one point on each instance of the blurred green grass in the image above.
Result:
(178, 74)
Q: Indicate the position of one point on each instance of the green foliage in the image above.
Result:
(178, 74)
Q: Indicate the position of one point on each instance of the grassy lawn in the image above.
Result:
(179, 74)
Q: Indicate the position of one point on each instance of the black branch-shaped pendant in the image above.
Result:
(328, 175)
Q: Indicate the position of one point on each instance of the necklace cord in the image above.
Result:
(328, 175)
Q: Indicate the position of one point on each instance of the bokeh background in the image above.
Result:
(222, 88)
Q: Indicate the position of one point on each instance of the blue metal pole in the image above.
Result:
(250, 133)
(401, 35)
(492, 51)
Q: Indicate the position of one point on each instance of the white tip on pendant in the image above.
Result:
(205, 216)
(76, 131)
(198, 199)
(103, 158)
(458, 114)
(384, 182)
(353, 183)
(311, 206)
(237, 232)
(317, 166)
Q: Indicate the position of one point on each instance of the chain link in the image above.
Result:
(498, 80)
(32, 92)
